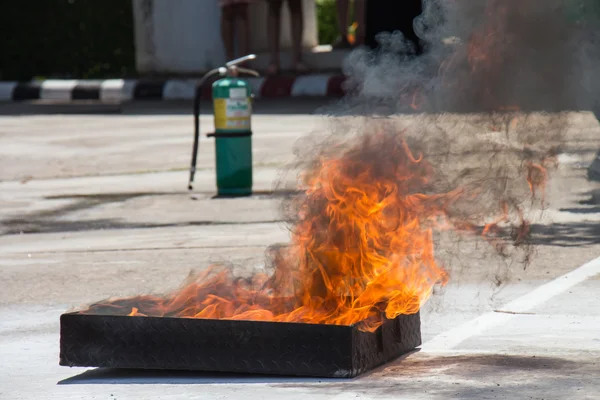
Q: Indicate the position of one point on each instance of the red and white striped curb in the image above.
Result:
(319, 85)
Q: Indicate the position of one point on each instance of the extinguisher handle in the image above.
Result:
(247, 71)
(240, 60)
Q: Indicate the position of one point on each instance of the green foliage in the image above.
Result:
(326, 21)
(79, 39)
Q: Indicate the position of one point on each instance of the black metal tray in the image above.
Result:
(281, 348)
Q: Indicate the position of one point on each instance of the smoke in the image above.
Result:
(486, 104)
(484, 56)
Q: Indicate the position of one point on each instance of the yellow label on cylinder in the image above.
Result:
(232, 114)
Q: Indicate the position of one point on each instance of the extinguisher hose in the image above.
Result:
(197, 98)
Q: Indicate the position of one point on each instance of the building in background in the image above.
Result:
(183, 36)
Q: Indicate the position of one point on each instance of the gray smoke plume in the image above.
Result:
(486, 56)
(485, 104)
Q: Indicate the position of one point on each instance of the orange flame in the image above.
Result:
(361, 250)
(536, 176)
(361, 247)
(135, 313)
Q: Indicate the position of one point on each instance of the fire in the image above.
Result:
(361, 249)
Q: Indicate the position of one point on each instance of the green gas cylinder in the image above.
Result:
(232, 104)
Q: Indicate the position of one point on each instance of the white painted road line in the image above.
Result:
(453, 337)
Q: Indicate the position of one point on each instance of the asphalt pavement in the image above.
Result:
(95, 205)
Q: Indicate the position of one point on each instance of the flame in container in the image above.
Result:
(361, 250)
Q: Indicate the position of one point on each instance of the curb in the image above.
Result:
(123, 90)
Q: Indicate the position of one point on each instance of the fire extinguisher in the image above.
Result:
(232, 111)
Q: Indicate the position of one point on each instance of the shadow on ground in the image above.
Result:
(267, 106)
(477, 376)
(566, 235)
(131, 376)
(52, 220)
(484, 376)
(285, 106)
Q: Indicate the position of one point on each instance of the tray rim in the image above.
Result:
(352, 326)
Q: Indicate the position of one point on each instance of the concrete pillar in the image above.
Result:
(177, 36)
(183, 36)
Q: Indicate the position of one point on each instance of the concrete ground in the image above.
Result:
(95, 206)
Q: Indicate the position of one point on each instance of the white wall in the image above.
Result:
(183, 36)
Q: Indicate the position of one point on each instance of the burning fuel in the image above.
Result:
(362, 245)
(373, 199)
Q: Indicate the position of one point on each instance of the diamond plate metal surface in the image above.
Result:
(233, 346)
